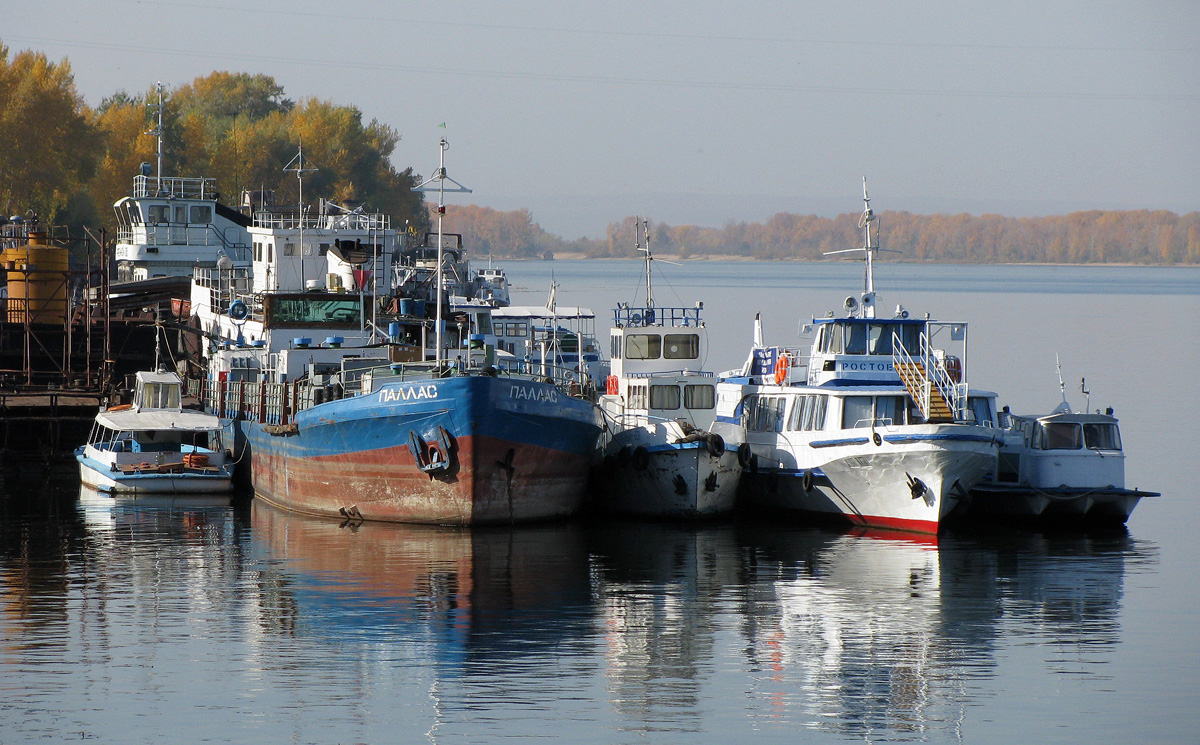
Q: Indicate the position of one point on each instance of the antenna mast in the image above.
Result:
(441, 178)
(864, 222)
(299, 170)
(158, 131)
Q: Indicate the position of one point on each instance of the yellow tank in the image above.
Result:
(37, 282)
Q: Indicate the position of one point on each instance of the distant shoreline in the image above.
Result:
(729, 257)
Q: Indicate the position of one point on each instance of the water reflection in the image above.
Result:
(311, 630)
(477, 592)
(870, 636)
(660, 592)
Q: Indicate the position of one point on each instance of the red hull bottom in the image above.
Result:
(489, 482)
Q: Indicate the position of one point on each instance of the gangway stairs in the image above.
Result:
(929, 398)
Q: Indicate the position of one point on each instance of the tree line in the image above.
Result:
(1093, 237)
(68, 163)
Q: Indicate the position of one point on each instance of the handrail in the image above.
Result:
(657, 316)
(933, 374)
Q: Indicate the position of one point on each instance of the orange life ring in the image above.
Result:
(954, 368)
(781, 368)
(611, 386)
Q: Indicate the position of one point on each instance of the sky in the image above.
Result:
(702, 112)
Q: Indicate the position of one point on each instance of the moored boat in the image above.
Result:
(154, 445)
(880, 430)
(660, 455)
(170, 224)
(418, 424)
(1066, 467)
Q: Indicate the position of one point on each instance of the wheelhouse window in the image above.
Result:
(681, 346)
(643, 346)
(200, 214)
(664, 397)
(981, 409)
(1102, 436)
(309, 310)
(159, 396)
(699, 396)
(1061, 436)
(158, 213)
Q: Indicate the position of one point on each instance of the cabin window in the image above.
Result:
(981, 409)
(643, 347)
(270, 251)
(483, 323)
(1102, 436)
(518, 329)
(257, 251)
(290, 249)
(664, 397)
(856, 338)
(158, 213)
(637, 397)
(699, 396)
(769, 414)
(814, 419)
(891, 409)
(307, 311)
(681, 346)
(200, 214)
(160, 396)
(879, 338)
(857, 412)
(799, 407)
(181, 214)
(749, 404)
(1061, 436)
(829, 339)
(614, 350)
(795, 420)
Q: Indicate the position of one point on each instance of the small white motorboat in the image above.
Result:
(154, 445)
(1065, 466)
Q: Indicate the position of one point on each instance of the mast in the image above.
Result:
(299, 170)
(441, 178)
(158, 132)
(638, 226)
(869, 249)
(864, 222)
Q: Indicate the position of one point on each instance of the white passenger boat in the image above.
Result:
(880, 429)
(169, 224)
(660, 455)
(1066, 467)
(154, 445)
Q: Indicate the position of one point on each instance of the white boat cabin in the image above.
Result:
(170, 225)
(657, 356)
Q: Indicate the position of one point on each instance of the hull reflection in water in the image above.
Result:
(866, 635)
(468, 590)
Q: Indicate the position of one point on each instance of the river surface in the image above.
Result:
(185, 621)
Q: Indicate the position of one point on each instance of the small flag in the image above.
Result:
(442, 125)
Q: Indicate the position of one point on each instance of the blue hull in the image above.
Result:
(460, 450)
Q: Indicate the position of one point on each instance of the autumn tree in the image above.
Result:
(241, 130)
(50, 143)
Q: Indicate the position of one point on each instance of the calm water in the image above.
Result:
(143, 622)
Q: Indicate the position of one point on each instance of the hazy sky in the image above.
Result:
(706, 112)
